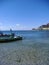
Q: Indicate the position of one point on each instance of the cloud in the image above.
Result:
(13, 27)
(17, 25)
(20, 27)
(1, 26)
(0, 23)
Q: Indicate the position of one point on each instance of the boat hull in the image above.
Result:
(10, 40)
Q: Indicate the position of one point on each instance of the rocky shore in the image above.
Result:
(42, 27)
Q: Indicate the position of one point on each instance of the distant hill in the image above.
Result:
(44, 27)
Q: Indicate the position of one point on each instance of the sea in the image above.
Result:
(33, 49)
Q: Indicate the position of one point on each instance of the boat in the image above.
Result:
(6, 39)
(9, 37)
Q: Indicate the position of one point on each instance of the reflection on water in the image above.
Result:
(32, 50)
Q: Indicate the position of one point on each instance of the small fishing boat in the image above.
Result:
(9, 37)
(3, 40)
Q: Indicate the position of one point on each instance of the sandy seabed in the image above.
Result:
(24, 56)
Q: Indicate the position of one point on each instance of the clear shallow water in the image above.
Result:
(32, 50)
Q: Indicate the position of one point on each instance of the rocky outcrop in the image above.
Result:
(44, 27)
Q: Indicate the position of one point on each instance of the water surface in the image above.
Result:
(32, 50)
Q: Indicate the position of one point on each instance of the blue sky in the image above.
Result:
(23, 14)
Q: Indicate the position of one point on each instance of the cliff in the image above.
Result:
(44, 27)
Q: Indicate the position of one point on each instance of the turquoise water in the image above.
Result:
(32, 50)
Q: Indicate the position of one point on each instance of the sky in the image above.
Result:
(23, 14)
